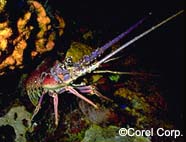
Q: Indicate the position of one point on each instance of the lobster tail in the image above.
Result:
(34, 94)
(33, 86)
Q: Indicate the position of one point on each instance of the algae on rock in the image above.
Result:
(19, 119)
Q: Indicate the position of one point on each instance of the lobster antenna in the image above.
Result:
(136, 38)
(89, 58)
(118, 38)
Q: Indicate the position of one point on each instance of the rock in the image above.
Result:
(19, 119)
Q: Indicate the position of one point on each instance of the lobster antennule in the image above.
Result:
(135, 39)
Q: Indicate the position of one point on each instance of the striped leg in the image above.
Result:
(73, 91)
(92, 90)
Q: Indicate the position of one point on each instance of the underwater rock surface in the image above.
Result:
(19, 119)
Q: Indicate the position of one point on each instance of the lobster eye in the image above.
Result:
(68, 61)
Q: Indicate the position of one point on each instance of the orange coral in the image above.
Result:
(2, 4)
(14, 42)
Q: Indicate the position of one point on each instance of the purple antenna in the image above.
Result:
(137, 38)
(122, 35)
(89, 58)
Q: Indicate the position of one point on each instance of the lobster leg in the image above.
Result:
(38, 107)
(73, 91)
(92, 90)
(55, 100)
(97, 93)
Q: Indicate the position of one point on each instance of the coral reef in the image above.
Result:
(19, 119)
(144, 108)
(30, 34)
(34, 31)
(75, 122)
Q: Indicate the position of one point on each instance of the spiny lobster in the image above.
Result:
(61, 76)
